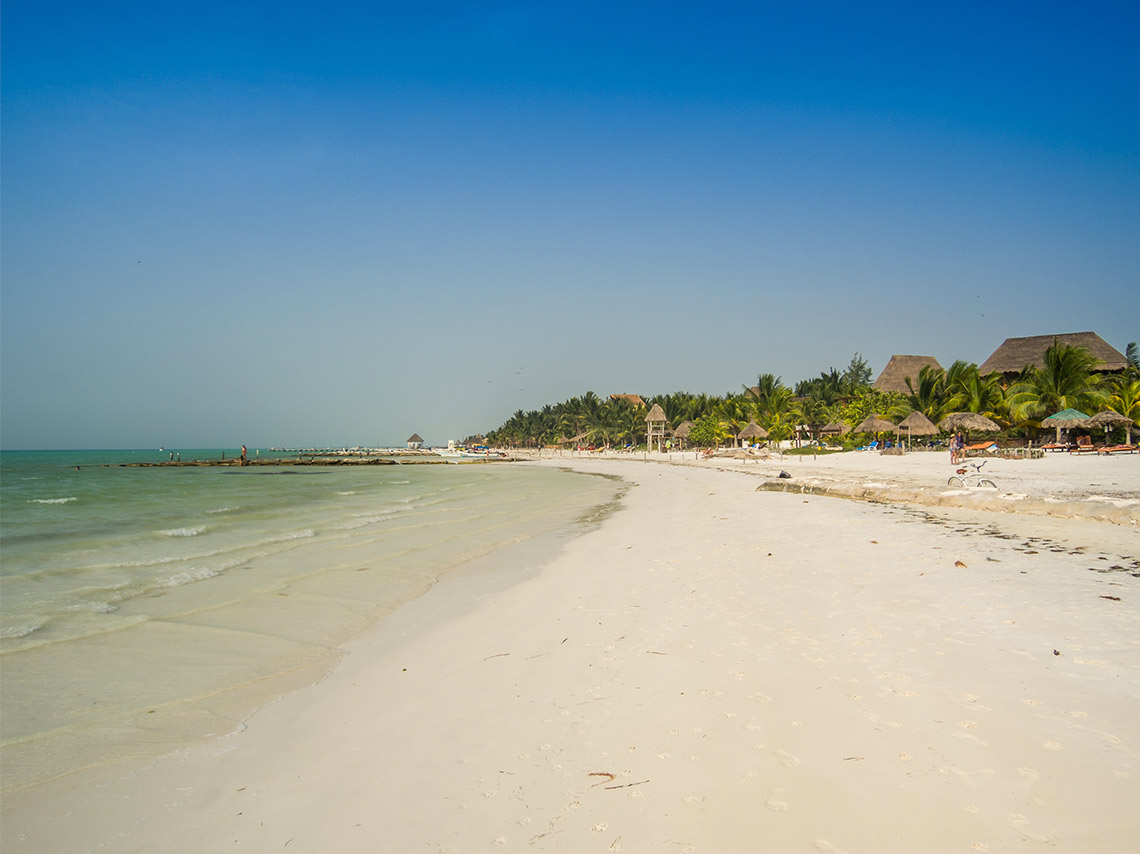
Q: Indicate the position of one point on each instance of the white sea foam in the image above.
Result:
(52, 500)
(348, 492)
(296, 535)
(222, 510)
(93, 607)
(188, 576)
(184, 532)
(33, 624)
(362, 520)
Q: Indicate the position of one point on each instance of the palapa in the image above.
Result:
(901, 368)
(752, 431)
(655, 427)
(1108, 419)
(875, 424)
(683, 430)
(1015, 354)
(967, 421)
(917, 424)
(1065, 419)
(840, 427)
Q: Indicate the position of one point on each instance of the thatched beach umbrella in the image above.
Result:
(917, 424)
(838, 427)
(967, 421)
(683, 430)
(1065, 419)
(753, 431)
(875, 424)
(1108, 418)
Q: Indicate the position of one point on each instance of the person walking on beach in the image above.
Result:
(243, 459)
(954, 448)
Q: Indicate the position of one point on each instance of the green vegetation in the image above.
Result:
(1067, 380)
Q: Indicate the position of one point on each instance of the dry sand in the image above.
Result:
(713, 669)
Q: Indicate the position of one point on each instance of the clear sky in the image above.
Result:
(337, 224)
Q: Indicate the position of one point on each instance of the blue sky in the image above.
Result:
(286, 224)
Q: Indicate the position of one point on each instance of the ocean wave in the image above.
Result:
(223, 510)
(362, 520)
(52, 500)
(35, 624)
(296, 535)
(187, 576)
(184, 532)
(94, 607)
(347, 492)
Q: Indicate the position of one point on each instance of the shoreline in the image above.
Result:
(1062, 486)
(709, 668)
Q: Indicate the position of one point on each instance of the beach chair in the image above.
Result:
(1118, 449)
(1084, 446)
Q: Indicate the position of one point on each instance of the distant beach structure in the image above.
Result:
(901, 368)
(415, 442)
(1015, 354)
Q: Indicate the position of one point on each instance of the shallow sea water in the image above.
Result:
(145, 608)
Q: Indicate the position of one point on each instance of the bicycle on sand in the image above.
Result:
(964, 477)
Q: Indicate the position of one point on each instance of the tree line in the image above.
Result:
(1067, 380)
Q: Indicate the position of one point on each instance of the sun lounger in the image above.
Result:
(1118, 449)
(1084, 446)
(1057, 446)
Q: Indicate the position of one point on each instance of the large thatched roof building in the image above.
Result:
(1015, 354)
(899, 368)
(633, 399)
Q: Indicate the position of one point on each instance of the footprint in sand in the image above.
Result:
(788, 759)
(824, 845)
(776, 803)
(1029, 776)
(1053, 745)
(1021, 824)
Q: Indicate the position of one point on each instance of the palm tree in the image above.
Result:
(930, 397)
(1125, 399)
(969, 391)
(1066, 381)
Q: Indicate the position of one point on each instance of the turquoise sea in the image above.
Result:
(145, 608)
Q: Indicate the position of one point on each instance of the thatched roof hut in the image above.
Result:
(634, 399)
(918, 424)
(967, 421)
(415, 442)
(683, 430)
(752, 431)
(875, 424)
(655, 427)
(899, 369)
(840, 427)
(1015, 354)
(1109, 419)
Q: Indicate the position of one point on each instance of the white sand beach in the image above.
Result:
(713, 669)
